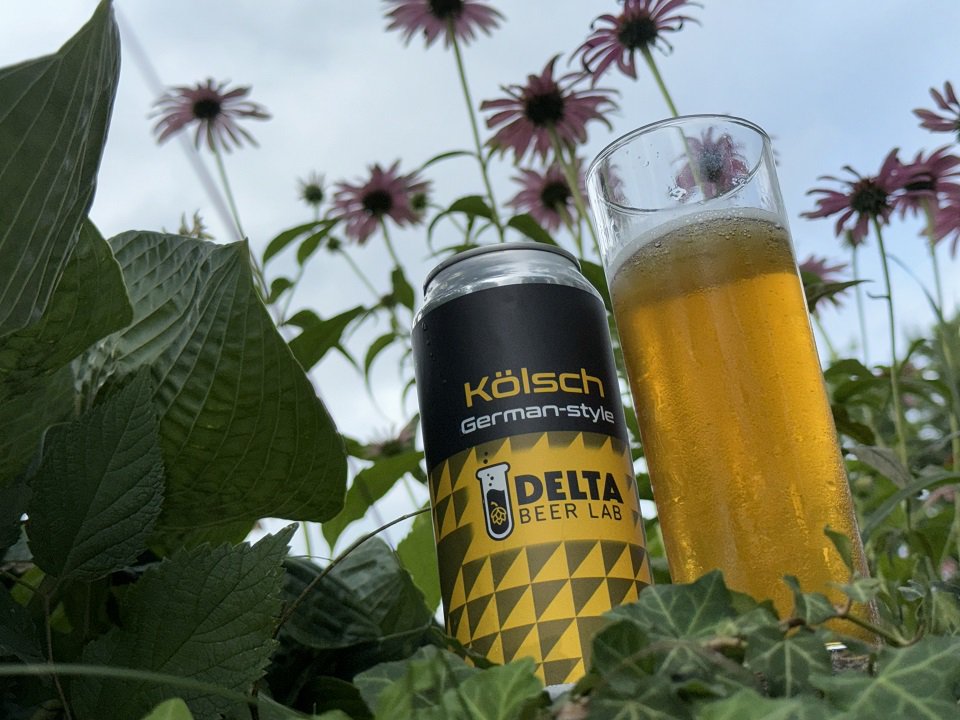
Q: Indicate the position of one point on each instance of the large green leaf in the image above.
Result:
(418, 553)
(243, 432)
(369, 485)
(207, 614)
(786, 662)
(53, 124)
(97, 493)
(921, 682)
(748, 705)
(364, 611)
(19, 637)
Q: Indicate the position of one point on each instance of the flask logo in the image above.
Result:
(497, 509)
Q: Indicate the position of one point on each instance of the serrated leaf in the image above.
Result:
(369, 485)
(53, 127)
(446, 671)
(172, 709)
(920, 682)
(242, 430)
(19, 637)
(749, 705)
(418, 554)
(97, 493)
(885, 462)
(206, 613)
(321, 336)
(787, 662)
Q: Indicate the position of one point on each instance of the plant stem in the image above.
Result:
(826, 338)
(360, 274)
(861, 315)
(898, 414)
(648, 56)
(323, 573)
(478, 146)
(49, 638)
(386, 237)
(569, 168)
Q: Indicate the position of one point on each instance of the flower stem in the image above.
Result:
(359, 273)
(831, 349)
(651, 63)
(861, 314)
(898, 415)
(569, 168)
(254, 263)
(474, 127)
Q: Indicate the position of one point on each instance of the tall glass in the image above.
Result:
(736, 426)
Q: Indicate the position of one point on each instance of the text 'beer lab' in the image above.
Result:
(505, 384)
(559, 494)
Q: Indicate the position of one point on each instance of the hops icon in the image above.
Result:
(498, 514)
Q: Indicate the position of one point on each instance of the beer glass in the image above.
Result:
(734, 418)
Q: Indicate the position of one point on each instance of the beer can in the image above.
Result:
(535, 508)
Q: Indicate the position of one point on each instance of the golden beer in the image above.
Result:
(736, 426)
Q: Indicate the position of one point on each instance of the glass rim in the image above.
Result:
(616, 144)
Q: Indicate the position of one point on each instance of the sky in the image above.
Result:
(833, 82)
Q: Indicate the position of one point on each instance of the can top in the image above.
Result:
(484, 249)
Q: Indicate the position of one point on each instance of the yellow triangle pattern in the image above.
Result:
(555, 568)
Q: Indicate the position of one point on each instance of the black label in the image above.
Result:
(515, 359)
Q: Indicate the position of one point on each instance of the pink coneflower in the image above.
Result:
(640, 26)
(946, 222)
(947, 101)
(818, 266)
(312, 190)
(719, 167)
(926, 178)
(866, 199)
(212, 108)
(386, 194)
(433, 17)
(543, 107)
(546, 196)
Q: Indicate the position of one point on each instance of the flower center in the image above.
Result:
(711, 166)
(445, 9)
(921, 183)
(206, 109)
(313, 194)
(868, 198)
(377, 202)
(555, 195)
(637, 32)
(544, 109)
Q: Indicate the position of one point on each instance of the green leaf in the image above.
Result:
(787, 662)
(288, 236)
(843, 545)
(813, 608)
(243, 432)
(595, 274)
(446, 156)
(402, 290)
(309, 246)
(19, 637)
(97, 493)
(472, 206)
(921, 681)
(277, 288)
(749, 705)
(912, 489)
(369, 485)
(437, 685)
(207, 614)
(89, 302)
(525, 224)
(321, 336)
(418, 554)
(13, 504)
(52, 130)
(366, 610)
(172, 709)
(376, 347)
(885, 462)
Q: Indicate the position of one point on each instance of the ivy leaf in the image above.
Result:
(749, 705)
(368, 486)
(242, 430)
(52, 132)
(812, 608)
(418, 553)
(786, 662)
(97, 493)
(919, 681)
(447, 672)
(207, 613)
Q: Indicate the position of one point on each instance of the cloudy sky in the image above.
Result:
(833, 82)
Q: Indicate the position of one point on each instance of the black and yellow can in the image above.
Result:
(535, 506)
